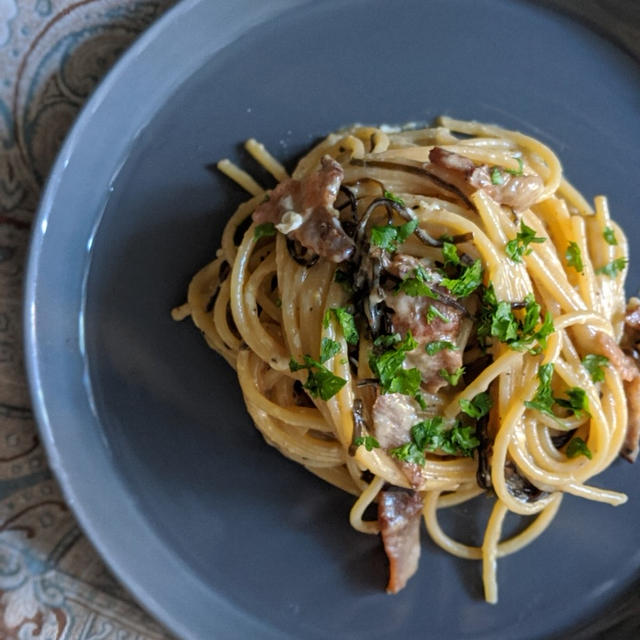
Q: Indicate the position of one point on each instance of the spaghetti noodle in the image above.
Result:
(422, 316)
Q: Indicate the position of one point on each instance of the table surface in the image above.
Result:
(53, 585)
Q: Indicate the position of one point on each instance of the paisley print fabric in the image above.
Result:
(53, 586)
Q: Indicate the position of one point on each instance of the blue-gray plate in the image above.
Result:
(213, 531)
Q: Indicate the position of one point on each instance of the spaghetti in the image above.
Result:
(422, 316)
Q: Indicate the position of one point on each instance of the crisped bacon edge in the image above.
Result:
(399, 513)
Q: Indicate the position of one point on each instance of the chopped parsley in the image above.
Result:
(394, 198)
(610, 236)
(577, 401)
(543, 400)
(520, 170)
(439, 345)
(578, 447)
(320, 381)
(519, 246)
(389, 236)
(450, 253)
(594, 364)
(264, 230)
(328, 349)
(612, 268)
(468, 281)
(496, 176)
(452, 378)
(433, 312)
(369, 442)
(416, 286)
(346, 321)
(496, 172)
(386, 362)
(573, 256)
(432, 434)
(478, 406)
(497, 320)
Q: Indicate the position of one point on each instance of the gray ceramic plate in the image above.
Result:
(212, 530)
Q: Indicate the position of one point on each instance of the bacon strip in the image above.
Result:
(399, 517)
(305, 210)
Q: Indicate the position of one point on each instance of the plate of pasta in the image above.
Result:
(345, 337)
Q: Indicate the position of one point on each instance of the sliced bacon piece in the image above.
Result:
(629, 342)
(399, 518)
(631, 446)
(303, 210)
(519, 192)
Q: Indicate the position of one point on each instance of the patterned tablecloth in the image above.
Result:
(52, 583)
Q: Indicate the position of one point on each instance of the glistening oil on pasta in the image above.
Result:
(423, 316)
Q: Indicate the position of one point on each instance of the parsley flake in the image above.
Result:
(543, 399)
(452, 377)
(389, 236)
(496, 176)
(387, 365)
(369, 442)
(595, 364)
(417, 286)
(320, 381)
(347, 324)
(328, 349)
(478, 406)
(578, 447)
(519, 246)
(573, 256)
(394, 198)
(433, 312)
(439, 345)
(265, 230)
(520, 170)
(432, 434)
(468, 281)
(450, 253)
(612, 268)
(610, 236)
(577, 402)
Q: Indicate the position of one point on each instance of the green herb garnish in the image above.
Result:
(519, 246)
(386, 362)
(450, 253)
(496, 176)
(543, 399)
(389, 236)
(320, 381)
(468, 281)
(573, 256)
(264, 230)
(595, 364)
(431, 435)
(610, 236)
(416, 286)
(369, 442)
(438, 345)
(347, 323)
(433, 312)
(520, 170)
(578, 447)
(576, 402)
(477, 407)
(328, 349)
(612, 268)
(452, 378)
(394, 198)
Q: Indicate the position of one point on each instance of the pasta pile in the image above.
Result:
(463, 339)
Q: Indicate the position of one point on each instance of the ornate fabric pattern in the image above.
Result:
(53, 586)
